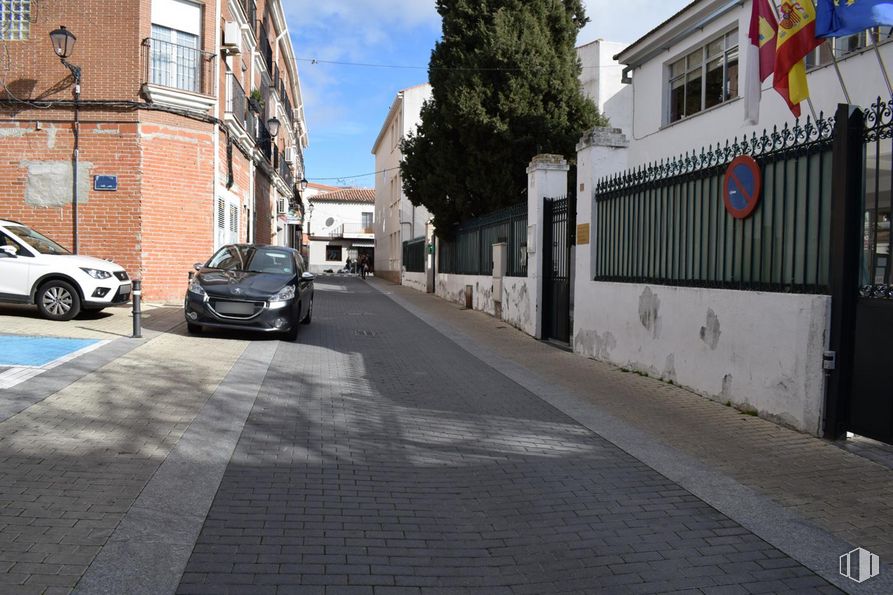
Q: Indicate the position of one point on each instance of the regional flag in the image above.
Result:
(837, 18)
(760, 56)
(796, 38)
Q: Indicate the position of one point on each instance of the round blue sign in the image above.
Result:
(742, 186)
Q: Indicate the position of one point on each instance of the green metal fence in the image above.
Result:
(667, 224)
(414, 255)
(470, 249)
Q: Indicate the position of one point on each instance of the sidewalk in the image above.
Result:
(843, 493)
(79, 442)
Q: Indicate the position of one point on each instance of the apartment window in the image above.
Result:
(226, 222)
(15, 19)
(705, 77)
(175, 55)
(367, 222)
(333, 253)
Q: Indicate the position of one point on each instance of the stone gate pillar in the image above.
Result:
(546, 178)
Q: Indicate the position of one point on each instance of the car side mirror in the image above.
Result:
(9, 251)
(307, 276)
(198, 266)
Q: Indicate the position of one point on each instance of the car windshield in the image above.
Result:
(37, 241)
(253, 259)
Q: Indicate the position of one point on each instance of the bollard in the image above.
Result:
(137, 311)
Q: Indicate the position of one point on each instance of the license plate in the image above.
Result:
(235, 308)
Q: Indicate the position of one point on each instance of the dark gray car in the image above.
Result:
(251, 287)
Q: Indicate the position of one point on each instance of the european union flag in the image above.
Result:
(837, 18)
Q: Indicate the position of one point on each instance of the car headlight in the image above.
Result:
(196, 287)
(97, 274)
(286, 293)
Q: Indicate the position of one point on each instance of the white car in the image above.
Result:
(36, 270)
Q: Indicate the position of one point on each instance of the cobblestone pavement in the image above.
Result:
(849, 495)
(380, 457)
(76, 450)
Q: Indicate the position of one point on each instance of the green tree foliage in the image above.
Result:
(505, 79)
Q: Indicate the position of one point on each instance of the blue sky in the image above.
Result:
(345, 105)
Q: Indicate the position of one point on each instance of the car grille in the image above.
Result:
(236, 309)
(121, 275)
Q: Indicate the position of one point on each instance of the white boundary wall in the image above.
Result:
(761, 352)
(417, 281)
(518, 308)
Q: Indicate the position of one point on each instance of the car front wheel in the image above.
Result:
(58, 300)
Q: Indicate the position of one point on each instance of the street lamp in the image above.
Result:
(63, 45)
(273, 126)
(303, 185)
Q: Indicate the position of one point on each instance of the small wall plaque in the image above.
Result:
(582, 234)
(105, 183)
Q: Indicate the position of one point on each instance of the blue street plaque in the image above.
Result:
(107, 183)
(741, 187)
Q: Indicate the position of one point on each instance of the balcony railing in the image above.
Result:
(266, 50)
(236, 102)
(353, 231)
(250, 8)
(263, 140)
(178, 66)
(285, 173)
(251, 122)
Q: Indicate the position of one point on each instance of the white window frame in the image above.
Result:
(226, 221)
(727, 50)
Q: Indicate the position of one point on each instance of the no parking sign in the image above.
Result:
(741, 187)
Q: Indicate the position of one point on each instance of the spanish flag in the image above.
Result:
(796, 38)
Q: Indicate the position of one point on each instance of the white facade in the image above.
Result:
(602, 80)
(396, 219)
(340, 227)
(761, 352)
(652, 135)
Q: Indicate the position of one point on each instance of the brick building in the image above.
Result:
(175, 97)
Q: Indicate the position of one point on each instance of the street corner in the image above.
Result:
(23, 357)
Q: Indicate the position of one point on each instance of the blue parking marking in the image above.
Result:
(18, 350)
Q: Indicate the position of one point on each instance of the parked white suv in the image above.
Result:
(36, 270)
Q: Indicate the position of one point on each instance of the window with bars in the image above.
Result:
(175, 59)
(704, 78)
(15, 19)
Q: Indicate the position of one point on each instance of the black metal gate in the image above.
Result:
(861, 389)
(871, 395)
(558, 229)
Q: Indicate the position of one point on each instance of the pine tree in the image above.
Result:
(505, 79)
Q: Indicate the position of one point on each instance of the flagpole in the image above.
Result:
(812, 109)
(880, 60)
(846, 93)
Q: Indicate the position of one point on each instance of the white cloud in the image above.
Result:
(626, 21)
(353, 28)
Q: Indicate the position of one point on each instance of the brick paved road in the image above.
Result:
(382, 458)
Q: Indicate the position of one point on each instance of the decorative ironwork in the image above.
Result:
(177, 66)
(879, 121)
(883, 292)
(775, 144)
(469, 249)
(665, 224)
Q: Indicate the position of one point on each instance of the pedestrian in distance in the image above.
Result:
(364, 266)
